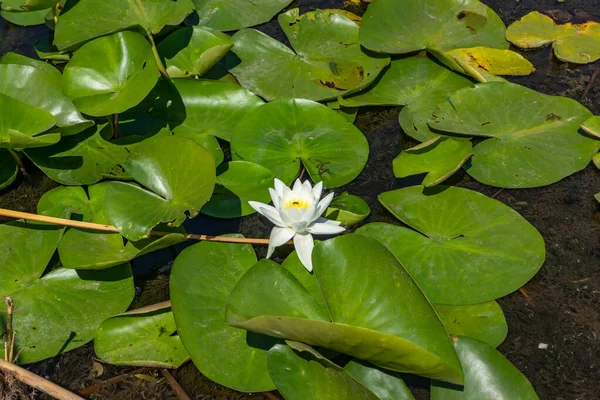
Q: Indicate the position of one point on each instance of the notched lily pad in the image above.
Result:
(22, 125)
(439, 158)
(576, 43)
(168, 193)
(231, 15)
(328, 60)
(592, 126)
(347, 209)
(387, 385)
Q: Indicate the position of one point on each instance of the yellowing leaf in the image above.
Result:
(492, 61)
(576, 43)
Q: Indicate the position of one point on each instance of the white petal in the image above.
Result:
(307, 185)
(328, 221)
(317, 190)
(274, 198)
(304, 246)
(310, 215)
(323, 204)
(285, 218)
(278, 237)
(325, 229)
(279, 187)
(297, 186)
(268, 211)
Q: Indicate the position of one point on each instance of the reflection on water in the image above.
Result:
(20, 39)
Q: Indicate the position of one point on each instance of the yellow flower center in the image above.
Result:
(297, 203)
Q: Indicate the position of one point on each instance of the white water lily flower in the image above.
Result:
(296, 214)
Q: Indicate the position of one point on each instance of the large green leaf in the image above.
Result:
(161, 164)
(488, 376)
(202, 279)
(190, 52)
(303, 373)
(535, 139)
(82, 20)
(439, 158)
(466, 248)
(196, 108)
(483, 321)
(396, 27)
(143, 337)
(111, 74)
(32, 82)
(82, 159)
(387, 385)
(347, 209)
(11, 11)
(231, 15)
(8, 169)
(328, 60)
(84, 249)
(418, 83)
(374, 309)
(22, 125)
(285, 134)
(237, 183)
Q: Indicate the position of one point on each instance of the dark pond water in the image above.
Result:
(562, 303)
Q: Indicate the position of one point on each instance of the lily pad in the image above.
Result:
(84, 249)
(488, 375)
(33, 5)
(84, 20)
(8, 169)
(160, 164)
(348, 209)
(576, 43)
(28, 81)
(303, 373)
(237, 183)
(483, 321)
(439, 158)
(231, 15)
(82, 159)
(377, 322)
(45, 50)
(479, 251)
(535, 139)
(328, 60)
(202, 279)
(111, 74)
(21, 17)
(22, 125)
(387, 385)
(196, 108)
(286, 134)
(190, 52)
(396, 28)
(592, 126)
(143, 337)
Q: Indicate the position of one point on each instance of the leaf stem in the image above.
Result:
(115, 125)
(109, 228)
(18, 160)
(161, 66)
(175, 386)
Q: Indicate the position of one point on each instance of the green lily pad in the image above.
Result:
(45, 50)
(439, 158)
(111, 74)
(308, 279)
(33, 5)
(22, 125)
(26, 80)
(237, 183)
(592, 126)
(190, 52)
(488, 375)
(303, 373)
(328, 61)
(535, 139)
(231, 15)
(196, 108)
(397, 28)
(377, 322)
(418, 83)
(387, 385)
(202, 279)
(347, 209)
(83, 249)
(142, 337)
(479, 251)
(285, 134)
(23, 18)
(576, 43)
(483, 321)
(8, 169)
(161, 164)
(84, 20)
(61, 310)
(82, 159)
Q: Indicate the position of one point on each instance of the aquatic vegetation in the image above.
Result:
(157, 116)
